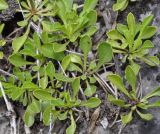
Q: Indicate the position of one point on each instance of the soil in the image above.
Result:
(106, 20)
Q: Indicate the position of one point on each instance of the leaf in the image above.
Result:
(29, 85)
(59, 47)
(76, 86)
(46, 115)
(151, 60)
(47, 51)
(90, 90)
(63, 116)
(28, 119)
(61, 77)
(148, 32)
(65, 62)
(43, 82)
(17, 60)
(154, 93)
(115, 35)
(16, 93)
(131, 23)
(117, 81)
(120, 5)
(131, 77)
(91, 103)
(145, 116)
(34, 107)
(76, 59)
(146, 21)
(1, 55)
(50, 70)
(1, 28)
(127, 118)
(3, 5)
(104, 53)
(19, 41)
(85, 46)
(72, 128)
(155, 104)
(89, 5)
(135, 68)
(43, 95)
(115, 101)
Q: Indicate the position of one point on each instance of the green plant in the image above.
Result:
(132, 102)
(121, 5)
(2, 41)
(132, 40)
(3, 5)
(35, 10)
(73, 24)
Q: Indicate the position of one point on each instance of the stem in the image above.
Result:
(10, 109)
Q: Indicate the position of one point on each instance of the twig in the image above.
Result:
(8, 74)
(10, 109)
(74, 52)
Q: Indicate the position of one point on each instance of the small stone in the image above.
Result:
(104, 123)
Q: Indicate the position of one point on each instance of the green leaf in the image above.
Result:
(63, 116)
(43, 82)
(46, 115)
(65, 62)
(28, 119)
(131, 23)
(155, 104)
(19, 41)
(47, 51)
(1, 55)
(17, 92)
(151, 60)
(50, 70)
(146, 21)
(85, 45)
(127, 118)
(29, 85)
(154, 93)
(76, 59)
(115, 35)
(59, 47)
(145, 116)
(148, 32)
(17, 60)
(120, 5)
(3, 5)
(131, 77)
(75, 86)
(104, 53)
(91, 103)
(72, 128)
(115, 101)
(90, 90)
(61, 77)
(117, 81)
(34, 107)
(1, 28)
(89, 5)
(43, 95)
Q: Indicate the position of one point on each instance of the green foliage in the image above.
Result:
(132, 102)
(2, 41)
(3, 5)
(121, 5)
(133, 40)
(73, 25)
(55, 67)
